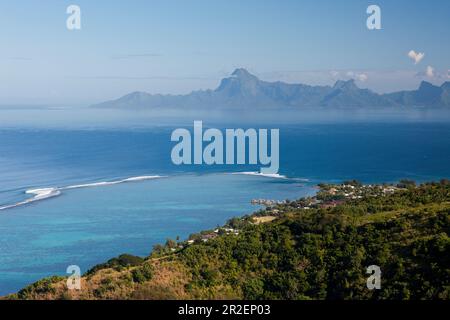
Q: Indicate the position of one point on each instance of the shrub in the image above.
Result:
(40, 287)
(122, 261)
(142, 274)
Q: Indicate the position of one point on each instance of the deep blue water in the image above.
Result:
(87, 226)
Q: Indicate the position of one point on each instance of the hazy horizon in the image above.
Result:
(151, 47)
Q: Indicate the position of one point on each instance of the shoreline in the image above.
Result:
(329, 199)
(51, 238)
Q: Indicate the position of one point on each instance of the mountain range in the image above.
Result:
(244, 90)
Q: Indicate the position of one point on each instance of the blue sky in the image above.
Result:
(179, 46)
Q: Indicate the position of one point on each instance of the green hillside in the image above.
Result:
(312, 248)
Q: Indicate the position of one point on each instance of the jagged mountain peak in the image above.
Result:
(424, 85)
(446, 85)
(241, 82)
(345, 84)
(242, 73)
(243, 89)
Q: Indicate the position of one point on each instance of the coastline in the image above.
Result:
(139, 215)
(330, 199)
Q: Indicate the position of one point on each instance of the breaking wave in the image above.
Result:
(46, 193)
(270, 175)
(259, 174)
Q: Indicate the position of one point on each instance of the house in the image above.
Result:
(209, 236)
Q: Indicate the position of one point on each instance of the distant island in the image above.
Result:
(312, 248)
(244, 90)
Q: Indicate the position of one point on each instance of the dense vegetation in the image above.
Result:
(319, 253)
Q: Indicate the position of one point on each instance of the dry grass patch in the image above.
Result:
(264, 219)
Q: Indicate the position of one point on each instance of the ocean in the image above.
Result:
(83, 196)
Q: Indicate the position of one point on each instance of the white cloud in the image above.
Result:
(334, 74)
(357, 76)
(435, 74)
(362, 77)
(416, 56)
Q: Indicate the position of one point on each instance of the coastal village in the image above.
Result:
(328, 196)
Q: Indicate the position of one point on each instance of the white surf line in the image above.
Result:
(40, 194)
(268, 175)
(259, 174)
(46, 193)
(110, 183)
